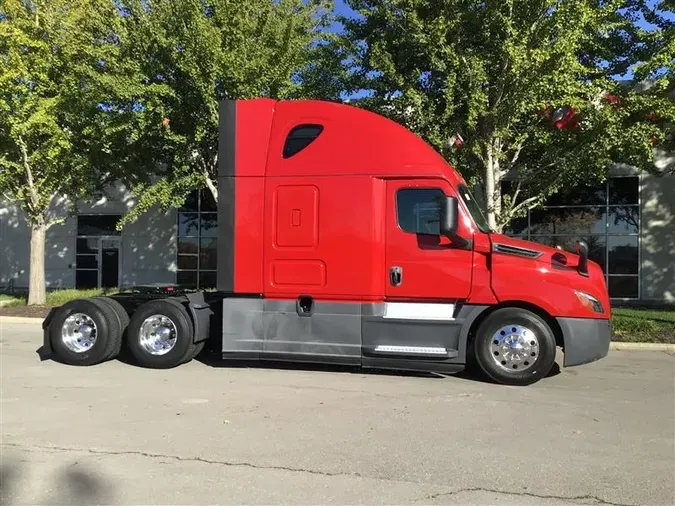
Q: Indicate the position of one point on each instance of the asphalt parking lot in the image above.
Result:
(603, 433)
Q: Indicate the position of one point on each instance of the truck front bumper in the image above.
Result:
(584, 339)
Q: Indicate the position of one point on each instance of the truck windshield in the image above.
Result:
(474, 208)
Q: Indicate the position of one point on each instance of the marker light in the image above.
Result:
(589, 302)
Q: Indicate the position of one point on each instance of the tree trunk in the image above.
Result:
(36, 285)
(493, 194)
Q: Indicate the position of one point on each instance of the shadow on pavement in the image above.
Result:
(72, 484)
(211, 357)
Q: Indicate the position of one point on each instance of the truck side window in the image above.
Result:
(418, 210)
(300, 137)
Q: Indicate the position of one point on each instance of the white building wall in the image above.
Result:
(657, 234)
(148, 246)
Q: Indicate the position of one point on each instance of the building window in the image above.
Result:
(197, 251)
(606, 216)
(418, 210)
(97, 251)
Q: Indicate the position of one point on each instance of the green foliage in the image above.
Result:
(184, 57)
(54, 61)
(50, 76)
(643, 325)
(57, 297)
(493, 71)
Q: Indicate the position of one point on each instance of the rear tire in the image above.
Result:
(197, 349)
(514, 346)
(160, 334)
(122, 320)
(85, 332)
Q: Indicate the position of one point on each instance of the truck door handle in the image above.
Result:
(396, 275)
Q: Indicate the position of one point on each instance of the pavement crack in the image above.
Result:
(186, 459)
(588, 497)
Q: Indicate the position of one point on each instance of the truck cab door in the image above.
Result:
(423, 265)
(427, 275)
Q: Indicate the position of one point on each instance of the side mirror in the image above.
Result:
(449, 216)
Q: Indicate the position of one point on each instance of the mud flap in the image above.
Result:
(45, 352)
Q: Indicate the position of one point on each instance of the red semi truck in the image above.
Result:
(344, 238)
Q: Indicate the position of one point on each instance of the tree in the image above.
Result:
(201, 52)
(52, 56)
(514, 87)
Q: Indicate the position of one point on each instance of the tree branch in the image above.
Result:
(517, 192)
(50, 223)
(35, 198)
(515, 156)
(528, 200)
(207, 177)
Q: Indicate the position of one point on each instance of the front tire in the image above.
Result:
(160, 334)
(514, 346)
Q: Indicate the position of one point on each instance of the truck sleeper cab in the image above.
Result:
(344, 238)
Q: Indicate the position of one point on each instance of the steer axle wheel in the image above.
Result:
(514, 346)
(161, 334)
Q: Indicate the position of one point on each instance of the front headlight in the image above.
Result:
(589, 302)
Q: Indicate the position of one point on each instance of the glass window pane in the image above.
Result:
(596, 245)
(86, 261)
(207, 279)
(623, 287)
(208, 255)
(87, 246)
(86, 279)
(97, 224)
(207, 203)
(188, 245)
(209, 224)
(187, 279)
(188, 224)
(583, 220)
(624, 190)
(187, 261)
(299, 138)
(191, 202)
(418, 210)
(623, 255)
(624, 220)
(580, 196)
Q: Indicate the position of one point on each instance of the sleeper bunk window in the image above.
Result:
(300, 137)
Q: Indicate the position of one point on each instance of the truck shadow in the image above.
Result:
(211, 357)
(71, 484)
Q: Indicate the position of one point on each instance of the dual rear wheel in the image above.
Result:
(159, 334)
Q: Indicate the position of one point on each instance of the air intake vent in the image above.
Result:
(507, 249)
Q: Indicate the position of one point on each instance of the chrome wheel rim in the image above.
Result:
(158, 334)
(514, 348)
(79, 332)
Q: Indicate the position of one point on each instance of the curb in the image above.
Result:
(619, 346)
(20, 319)
(613, 346)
